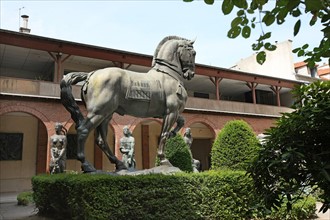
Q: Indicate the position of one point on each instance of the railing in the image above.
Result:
(242, 108)
(33, 88)
(43, 89)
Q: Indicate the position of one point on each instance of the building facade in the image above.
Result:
(32, 67)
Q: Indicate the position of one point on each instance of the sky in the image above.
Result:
(138, 26)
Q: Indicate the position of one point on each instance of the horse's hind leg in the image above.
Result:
(82, 133)
(101, 141)
(179, 124)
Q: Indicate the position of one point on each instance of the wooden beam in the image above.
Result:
(277, 90)
(252, 86)
(66, 47)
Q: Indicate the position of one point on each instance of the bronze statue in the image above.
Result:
(187, 137)
(58, 143)
(159, 93)
(127, 144)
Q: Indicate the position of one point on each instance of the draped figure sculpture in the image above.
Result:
(127, 144)
(58, 143)
(187, 137)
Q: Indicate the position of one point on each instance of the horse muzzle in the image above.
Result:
(188, 73)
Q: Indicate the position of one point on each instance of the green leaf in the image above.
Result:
(296, 50)
(268, 19)
(305, 46)
(292, 4)
(265, 36)
(296, 12)
(227, 6)
(280, 18)
(241, 3)
(270, 46)
(240, 12)
(234, 32)
(188, 0)
(261, 57)
(246, 31)
(301, 53)
(209, 2)
(296, 28)
(313, 5)
(236, 21)
(313, 20)
(257, 46)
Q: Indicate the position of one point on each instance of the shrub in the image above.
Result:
(207, 195)
(178, 153)
(223, 194)
(235, 146)
(25, 198)
(296, 153)
(302, 209)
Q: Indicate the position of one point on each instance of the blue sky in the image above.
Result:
(138, 26)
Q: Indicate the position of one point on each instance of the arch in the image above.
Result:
(209, 124)
(146, 134)
(26, 109)
(34, 149)
(203, 136)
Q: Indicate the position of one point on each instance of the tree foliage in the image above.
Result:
(235, 146)
(246, 20)
(296, 154)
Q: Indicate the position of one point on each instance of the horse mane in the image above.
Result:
(165, 39)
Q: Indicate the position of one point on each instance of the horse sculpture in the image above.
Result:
(159, 93)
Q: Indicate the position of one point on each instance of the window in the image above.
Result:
(201, 95)
(11, 146)
(71, 148)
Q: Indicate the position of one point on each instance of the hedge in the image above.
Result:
(178, 153)
(207, 195)
(221, 194)
(235, 146)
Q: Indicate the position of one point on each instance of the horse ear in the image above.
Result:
(192, 41)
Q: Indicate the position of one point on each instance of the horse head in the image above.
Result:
(177, 54)
(187, 58)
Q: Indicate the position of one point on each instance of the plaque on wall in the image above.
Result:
(11, 146)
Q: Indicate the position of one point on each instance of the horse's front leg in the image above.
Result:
(168, 122)
(179, 124)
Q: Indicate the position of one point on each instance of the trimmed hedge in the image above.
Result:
(207, 195)
(25, 198)
(178, 153)
(221, 194)
(235, 146)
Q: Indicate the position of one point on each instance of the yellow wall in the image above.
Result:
(154, 131)
(16, 175)
(138, 146)
(106, 164)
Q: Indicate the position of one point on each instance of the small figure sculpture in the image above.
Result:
(127, 149)
(58, 143)
(188, 140)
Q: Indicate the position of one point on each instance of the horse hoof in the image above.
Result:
(120, 166)
(87, 168)
(166, 162)
(172, 134)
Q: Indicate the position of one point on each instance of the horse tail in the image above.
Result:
(67, 98)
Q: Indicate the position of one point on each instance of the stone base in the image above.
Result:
(163, 169)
